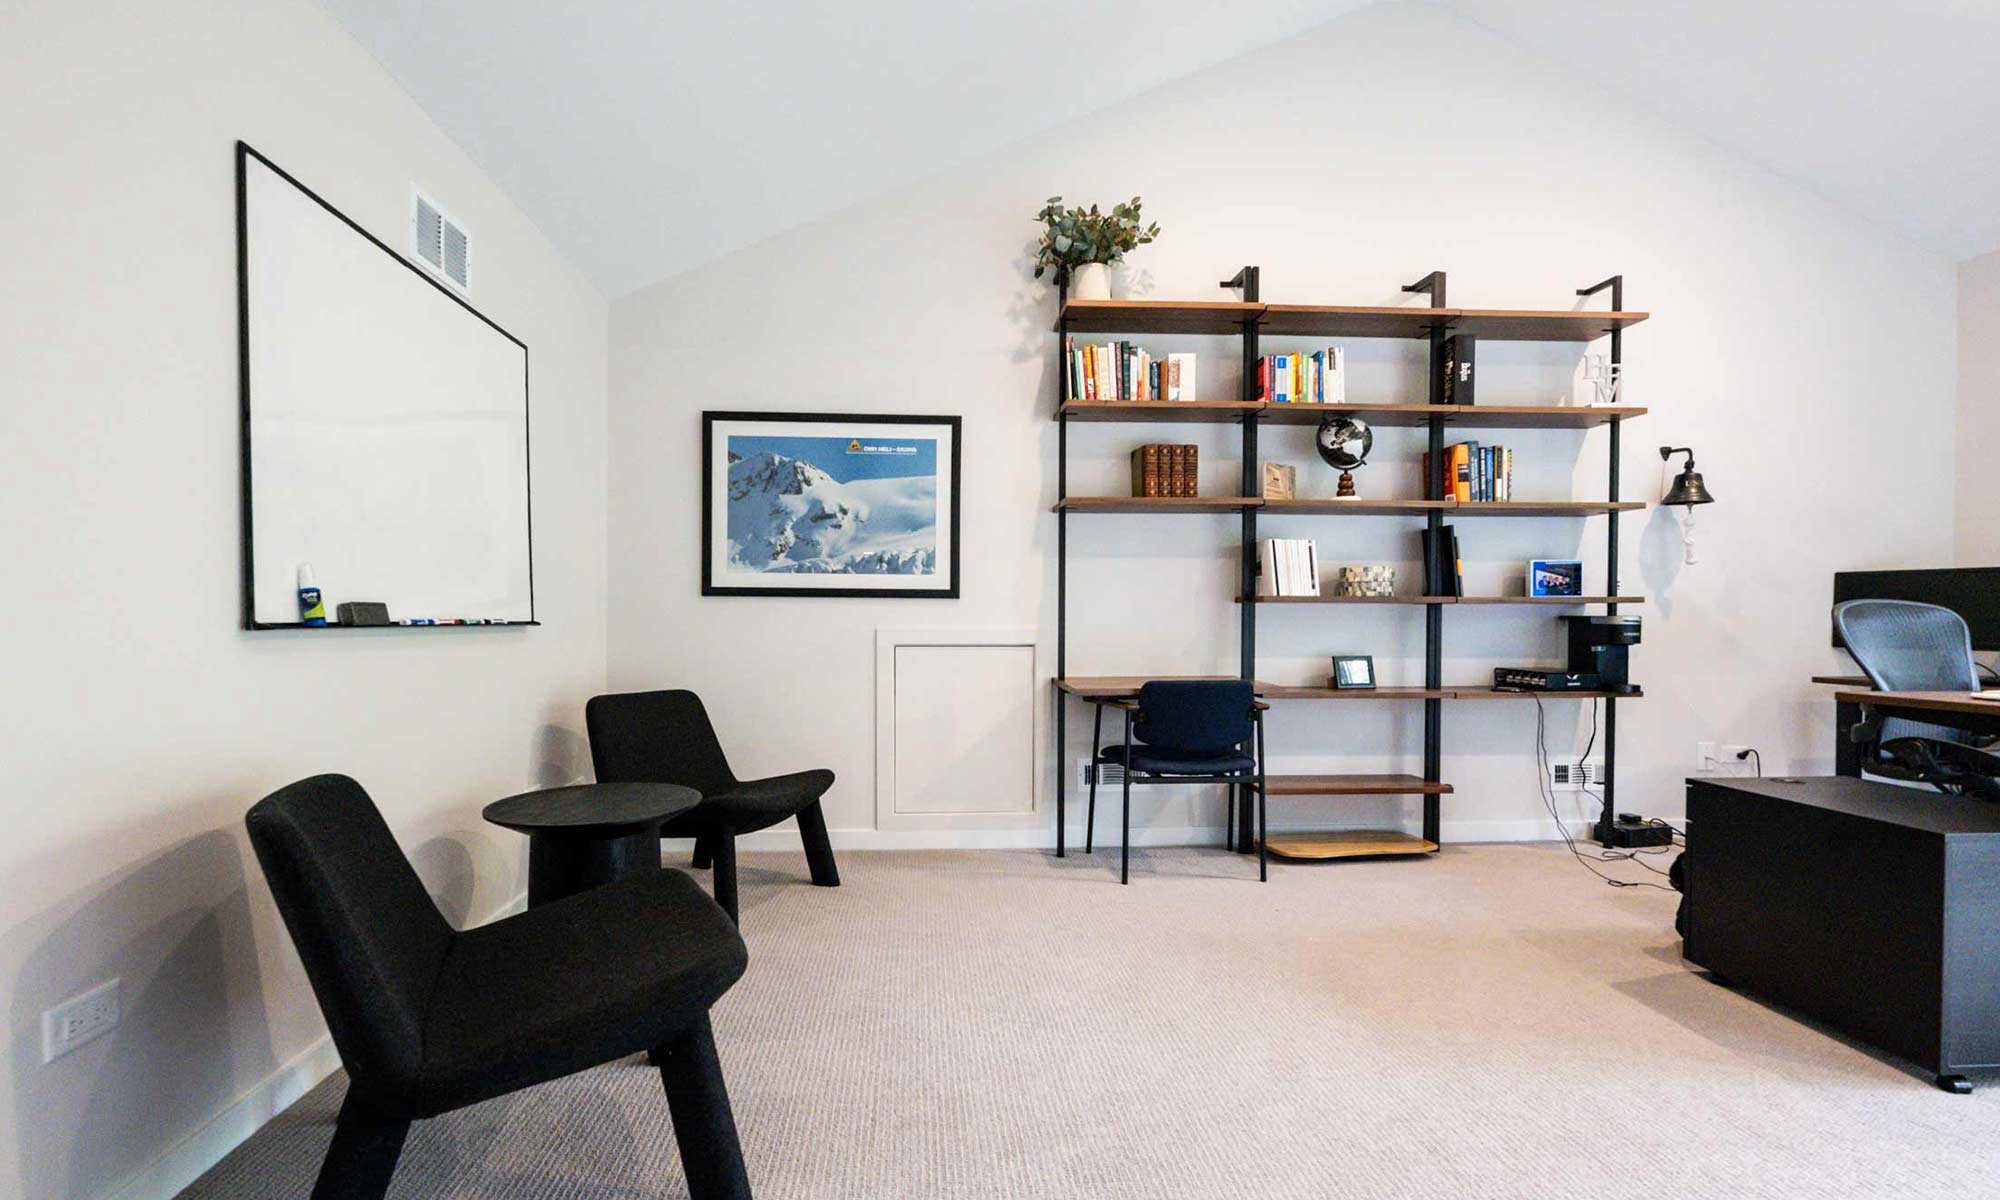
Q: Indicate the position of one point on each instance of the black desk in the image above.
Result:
(584, 836)
(1873, 908)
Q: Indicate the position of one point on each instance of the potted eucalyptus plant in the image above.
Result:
(1079, 244)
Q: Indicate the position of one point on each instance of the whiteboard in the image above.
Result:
(385, 424)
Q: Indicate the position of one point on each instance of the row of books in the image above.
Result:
(1123, 371)
(1313, 377)
(1474, 473)
(1287, 567)
(1162, 469)
(1452, 582)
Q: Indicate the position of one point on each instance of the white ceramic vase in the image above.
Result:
(1091, 281)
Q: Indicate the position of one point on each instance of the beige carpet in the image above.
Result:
(1490, 1022)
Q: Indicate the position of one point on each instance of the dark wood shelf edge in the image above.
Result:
(1354, 785)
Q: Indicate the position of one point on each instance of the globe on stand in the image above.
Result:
(1344, 442)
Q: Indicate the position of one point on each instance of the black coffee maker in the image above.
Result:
(1598, 648)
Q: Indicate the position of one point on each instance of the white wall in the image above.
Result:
(1978, 508)
(1345, 162)
(139, 723)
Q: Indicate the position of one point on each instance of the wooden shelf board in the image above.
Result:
(1520, 325)
(1353, 785)
(1347, 843)
(1346, 320)
(1228, 317)
(1276, 691)
(1456, 416)
(1196, 411)
(1544, 508)
(1563, 600)
(1157, 504)
(1355, 508)
(1352, 600)
(1487, 693)
(1119, 687)
(1550, 600)
(1159, 316)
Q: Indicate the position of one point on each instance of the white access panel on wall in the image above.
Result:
(957, 735)
(385, 424)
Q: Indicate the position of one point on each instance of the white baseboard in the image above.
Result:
(786, 837)
(169, 1174)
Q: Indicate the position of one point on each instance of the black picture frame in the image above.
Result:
(247, 562)
(788, 584)
(1350, 669)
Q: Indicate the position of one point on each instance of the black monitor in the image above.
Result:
(1971, 592)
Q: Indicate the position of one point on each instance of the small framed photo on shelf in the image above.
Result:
(1354, 671)
(1555, 577)
(829, 504)
(1281, 481)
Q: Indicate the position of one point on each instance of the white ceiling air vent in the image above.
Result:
(442, 243)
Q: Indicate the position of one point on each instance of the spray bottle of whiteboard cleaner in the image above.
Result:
(312, 610)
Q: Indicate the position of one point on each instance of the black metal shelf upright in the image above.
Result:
(1437, 331)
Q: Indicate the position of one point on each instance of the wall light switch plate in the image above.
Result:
(79, 1019)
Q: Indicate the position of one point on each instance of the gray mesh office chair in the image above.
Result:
(1904, 646)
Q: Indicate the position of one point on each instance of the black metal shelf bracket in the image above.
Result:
(1432, 283)
(1245, 279)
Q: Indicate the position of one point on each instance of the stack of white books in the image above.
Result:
(1287, 567)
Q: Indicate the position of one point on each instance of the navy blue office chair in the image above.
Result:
(1904, 646)
(1184, 731)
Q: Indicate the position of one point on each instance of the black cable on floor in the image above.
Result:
(1545, 788)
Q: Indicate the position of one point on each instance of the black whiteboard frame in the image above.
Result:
(244, 153)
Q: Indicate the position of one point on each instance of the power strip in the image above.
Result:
(1631, 831)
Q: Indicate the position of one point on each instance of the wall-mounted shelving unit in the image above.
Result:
(1250, 320)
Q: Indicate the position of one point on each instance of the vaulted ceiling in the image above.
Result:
(646, 137)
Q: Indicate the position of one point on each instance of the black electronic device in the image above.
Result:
(1534, 679)
(1597, 660)
(361, 612)
(1631, 831)
(1971, 592)
(1598, 644)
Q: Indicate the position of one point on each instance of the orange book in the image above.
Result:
(1460, 475)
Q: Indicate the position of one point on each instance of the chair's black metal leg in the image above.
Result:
(1125, 821)
(1229, 822)
(1096, 747)
(819, 851)
(704, 851)
(363, 1155)
(1263, 801)
(725, 872)
(703, 1124)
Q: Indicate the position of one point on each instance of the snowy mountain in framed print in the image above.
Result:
(842, 505)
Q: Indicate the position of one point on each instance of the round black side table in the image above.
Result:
(591, 834)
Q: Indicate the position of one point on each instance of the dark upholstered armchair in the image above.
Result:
(666, 737)
(428, 1019)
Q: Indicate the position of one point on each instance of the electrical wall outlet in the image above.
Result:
(79, 1019)
(1710, 757)
(1110, 775)
(1575, 774)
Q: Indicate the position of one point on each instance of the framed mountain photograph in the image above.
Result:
(829, 504)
